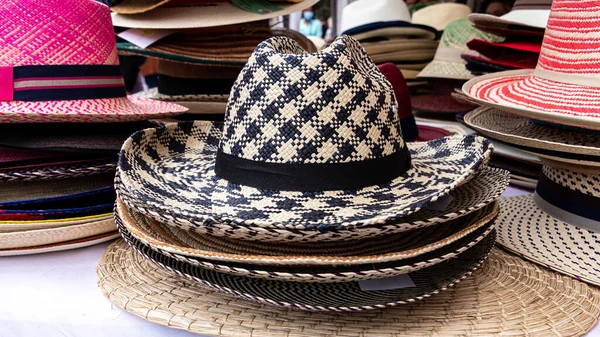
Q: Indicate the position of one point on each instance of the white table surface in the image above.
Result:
(55, 294)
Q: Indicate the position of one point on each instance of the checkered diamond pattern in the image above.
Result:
(290, 106)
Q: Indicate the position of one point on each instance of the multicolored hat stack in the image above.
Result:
(308, 197)
(59, 69)
(203, 45)
(553, 112)
(385, 31)
(523, 28)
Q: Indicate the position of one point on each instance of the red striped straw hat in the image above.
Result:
(565, 86)
(59, 63)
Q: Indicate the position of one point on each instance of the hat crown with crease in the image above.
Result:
(570, 194)
(54, 33)
(293, 107)
(363, 12)
(572, 40)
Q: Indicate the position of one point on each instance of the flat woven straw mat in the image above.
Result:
(506, 297)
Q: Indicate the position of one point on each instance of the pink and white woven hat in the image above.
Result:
(59, 63)
(565, 86)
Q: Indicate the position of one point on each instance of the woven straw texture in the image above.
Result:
(525, 229)
(389, 46)
(447, 62)
(201, 16)
(372, 250)
(146, 185)
(53, 33)
(508, 296)
(40, 237)
(345, 296)
(522, 131)
(326, 274)
(61, 246)
(467, 198)
(57, 172)
(569, 55)
(21, 226)
(153, 93)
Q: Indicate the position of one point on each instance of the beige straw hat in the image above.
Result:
(440, 15)
(49, 236)
(547, 141)
(61, 246)
(30, 225)
(389, 46)
(193, 16)
(507, 296)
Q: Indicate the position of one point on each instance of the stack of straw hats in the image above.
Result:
(205, 47)
(308, 198)
(386, 32)
(553, 112)
(62, 94)
(522, 28)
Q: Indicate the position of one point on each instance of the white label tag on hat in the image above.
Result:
(145, 37)
(389, 283)
(441, 204)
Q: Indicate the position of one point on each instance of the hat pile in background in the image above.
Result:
(203, 46)
(210, 205)
(56, 176)
(552, 111)
(388, 34)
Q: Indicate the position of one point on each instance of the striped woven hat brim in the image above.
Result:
(517, 298)
(57, 172)
(359, 251)
(325, 273)
(478, 193)
(463, 158)
(564, 87)
(61, 246)
(20, 226)
(340, 296)
(525, 229)
(549, 141)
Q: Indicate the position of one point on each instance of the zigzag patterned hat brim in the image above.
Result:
(326, 274)
(479, 192)
(61, 246)
(525, 229)
(341, 296)
(549, 141)
(405, 245)
(516, 298)
(178, 185)
(57, 172)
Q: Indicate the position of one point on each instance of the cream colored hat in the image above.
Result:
(439, 16)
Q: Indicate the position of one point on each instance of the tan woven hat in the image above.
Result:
(151, 15)
(61, 246)
(30, 225)
(543, 139)
(440, 15)
(49, 236)
(424, 46)
(507, 296)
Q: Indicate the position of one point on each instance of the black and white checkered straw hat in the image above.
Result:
(310, 141)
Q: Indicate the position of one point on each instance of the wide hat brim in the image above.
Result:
(197, 104)
(446, 69)
(200, 16)
(20, 226)
(57, 172)
(389, 46)
(525, 229)
(392, 29)
(317, 274)
(427, 133)
(546, 141)
(124, 109)
(61, 246)
(532, 21)
(512, 296)
(522, 93)
(338, 296)
(148, 186)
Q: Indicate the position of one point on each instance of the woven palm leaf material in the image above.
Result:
(57, 172)
(323, 273)
(563, 213)
(339, 296)
(360, 251)
(508, 295)
(479, 192)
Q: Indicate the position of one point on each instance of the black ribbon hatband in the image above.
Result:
(312, 177)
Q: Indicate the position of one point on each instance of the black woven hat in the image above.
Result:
(310, 140)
